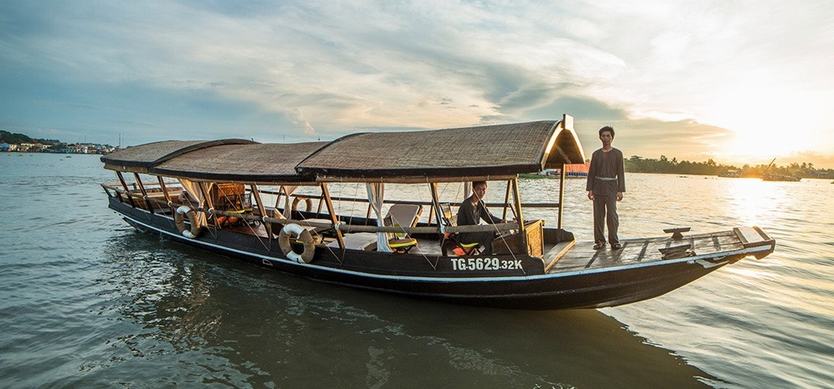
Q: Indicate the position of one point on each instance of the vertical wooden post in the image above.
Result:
(281, 191)
(435, 200)
(519, 215)
(165, 191)
(127, 191)
(562, 176)
(209, 202)
(262, 209)
(506, 200)
(144, 192)
(325, 192)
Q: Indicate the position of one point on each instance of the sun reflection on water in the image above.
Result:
(752, 199)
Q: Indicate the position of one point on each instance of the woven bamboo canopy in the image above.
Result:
(142, 157)
(474, 152)
(497, 150)
(269, 162)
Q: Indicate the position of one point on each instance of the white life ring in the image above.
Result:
(293, 230)
(307, 202)
(179, 220)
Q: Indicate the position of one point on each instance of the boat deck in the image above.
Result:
(583, 256)
(573, 256)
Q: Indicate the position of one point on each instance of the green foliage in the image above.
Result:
(639, 164)
(15, 138)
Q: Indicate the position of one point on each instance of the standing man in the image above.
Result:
(606, 184)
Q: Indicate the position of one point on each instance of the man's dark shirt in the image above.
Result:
(606, 165)
(471, 215)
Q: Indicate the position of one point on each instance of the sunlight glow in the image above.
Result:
(768, 120)
(751, 196)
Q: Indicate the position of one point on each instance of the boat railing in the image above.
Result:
(344, 227)
(551, 205)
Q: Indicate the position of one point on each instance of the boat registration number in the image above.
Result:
(485, 264)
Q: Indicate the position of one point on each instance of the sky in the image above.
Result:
(736, 81)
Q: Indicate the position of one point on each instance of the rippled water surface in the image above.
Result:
(85, 300)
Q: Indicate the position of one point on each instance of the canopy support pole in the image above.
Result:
(321, 200)
(165, 191)
(144, 192)
(281, 192)
(127, 191)
(506, 200)
(208, 200)
(431, 214)
(262, 210)
(562, 176)
(435, 201)
(521, 230)
(325, 192)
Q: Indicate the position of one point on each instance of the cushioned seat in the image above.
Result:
(450, 240)
(400, 242)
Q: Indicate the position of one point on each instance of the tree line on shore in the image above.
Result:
(15, 138)
(23, 143)
(638, 164)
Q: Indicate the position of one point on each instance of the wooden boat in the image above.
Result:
(730, 173)
(211, 195)
(780, 177)
(767, 175)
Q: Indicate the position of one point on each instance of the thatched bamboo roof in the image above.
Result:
(140, 158)
(248, 162)
(484, 151)
(495, 150)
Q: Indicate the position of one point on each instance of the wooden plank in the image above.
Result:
(544, 205)
(716, 243)
(748, 236)
(557, 252)
(620, 252)
(593, 258)
(643, 251)
(413, 180)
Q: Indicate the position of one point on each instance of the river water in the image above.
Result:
(87, 301)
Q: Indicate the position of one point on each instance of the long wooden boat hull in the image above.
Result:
(582, 288)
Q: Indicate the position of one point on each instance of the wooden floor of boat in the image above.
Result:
(583, 256)
(572, 256)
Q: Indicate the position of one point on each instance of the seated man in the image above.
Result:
(471, 211)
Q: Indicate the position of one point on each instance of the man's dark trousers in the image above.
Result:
(601, 204)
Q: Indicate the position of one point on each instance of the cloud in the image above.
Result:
(684, 139)
(680, 73)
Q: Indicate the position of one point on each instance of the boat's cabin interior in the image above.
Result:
(347, 215)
